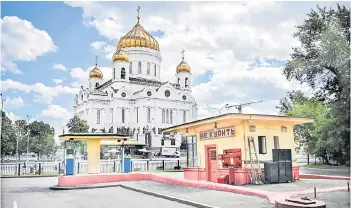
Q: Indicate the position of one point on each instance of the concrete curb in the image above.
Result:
(171, 198)
(82, 187)
(33, 176)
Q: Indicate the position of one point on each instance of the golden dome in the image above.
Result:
(138, 37)
(95, 73)
(183, 66)
(120, 56)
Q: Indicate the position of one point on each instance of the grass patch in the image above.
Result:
(324, 166)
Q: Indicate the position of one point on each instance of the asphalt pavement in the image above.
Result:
(35, 192)
(319, 171)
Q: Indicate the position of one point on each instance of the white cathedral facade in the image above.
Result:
(136, 101)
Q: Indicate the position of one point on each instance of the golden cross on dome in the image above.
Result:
(183, 54)
(138, 13)
(95, 60)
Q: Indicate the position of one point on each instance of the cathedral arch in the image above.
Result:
(97, 84)
(186, 82)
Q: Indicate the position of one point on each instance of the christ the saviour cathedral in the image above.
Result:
(136, 101)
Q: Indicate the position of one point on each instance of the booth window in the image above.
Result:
(122, 115)
(276, 142)
(172, 141)
(98, 117)
(191, 151)
(162, 142)
(262, 148)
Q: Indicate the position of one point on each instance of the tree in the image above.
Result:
(8, 142)
(21, 130)
(41, 139)
(77, 125)
(323, 62)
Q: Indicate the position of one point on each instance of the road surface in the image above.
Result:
(35, 192)
(319, 171)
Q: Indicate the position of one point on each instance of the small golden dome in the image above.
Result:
(120, 56)
(96, 73)
(138, 37)
(183, 66)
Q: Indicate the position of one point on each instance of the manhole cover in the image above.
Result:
(300, 202)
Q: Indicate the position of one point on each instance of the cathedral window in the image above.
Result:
(122, 115)
(149, 93)
(139, 67)
(184, 116)
(98, 117)
(123, 73)
(171, 117)
(184, 97)
(148, 114)
(163, 115)
(111, 112)
(148, 68)
(137, 115)
(114, 73)
(162, 142)
(97, 84)
(167, 93)
(81, 97)
(167, 116)
(178, 80)
(112, 95)
(130, 68)
(123, 94)
(172, 141)
(186, 82)
(155, 70)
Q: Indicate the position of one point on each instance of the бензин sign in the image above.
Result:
(217, 133)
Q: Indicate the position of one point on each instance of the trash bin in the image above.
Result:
(224, 179)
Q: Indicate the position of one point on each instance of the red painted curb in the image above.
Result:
(314, 176)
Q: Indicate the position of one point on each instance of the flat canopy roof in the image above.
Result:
(87, 136)
(240, 116)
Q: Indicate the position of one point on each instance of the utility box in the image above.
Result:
(127, 165)
(224, 179)
(69, 162)
(271, 172)
(285, 171)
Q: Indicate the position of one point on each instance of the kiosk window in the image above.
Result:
(262, 148)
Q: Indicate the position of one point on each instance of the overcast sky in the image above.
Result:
(236, 50)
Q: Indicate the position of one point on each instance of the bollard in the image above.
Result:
(131, 166)
(78, 168)
(114, 166)
(315, 192)
(19, 169)
(163, 165)
(59, 168)
(39, 168)
(147, 165)
(348, 185)
(178, 164)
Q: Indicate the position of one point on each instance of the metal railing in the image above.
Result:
(52, 168)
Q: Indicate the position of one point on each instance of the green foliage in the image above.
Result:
(8, 143)
(77, 125)
(41, 139)
(323, 62)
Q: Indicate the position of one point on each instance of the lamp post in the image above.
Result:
(28, 117)
(220, 109)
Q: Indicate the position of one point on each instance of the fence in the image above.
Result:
(46, 168)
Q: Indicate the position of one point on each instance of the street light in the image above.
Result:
(220, 109)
